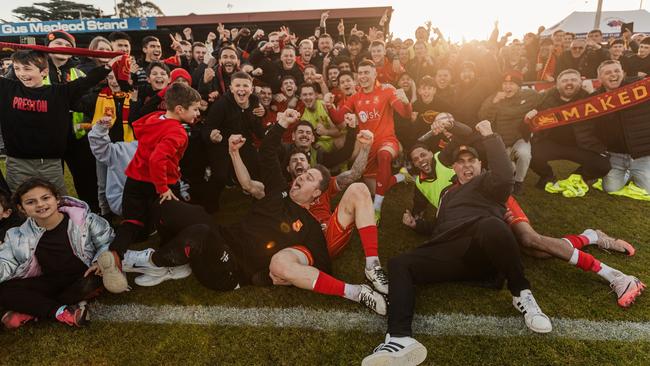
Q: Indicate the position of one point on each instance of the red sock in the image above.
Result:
(369, 240)
(578, 241)
(384, 173)
(587, 262)
(328, 285)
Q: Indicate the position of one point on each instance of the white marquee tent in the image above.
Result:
(581, 22)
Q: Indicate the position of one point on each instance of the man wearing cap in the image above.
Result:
(470, 242)
(506, 110)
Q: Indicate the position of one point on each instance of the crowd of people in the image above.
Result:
(295, 123)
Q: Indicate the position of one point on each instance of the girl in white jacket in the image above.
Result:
(47, 265)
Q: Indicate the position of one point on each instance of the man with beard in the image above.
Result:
(578, 57)
(237, 112)
(471, 241)
(471, 91)
(274, 72)
(330, 137)
(356, 51)
(577, 142)
(211, 82)
(374, 106)
(293, 266)
(198, 51)
(626, 135)
(506, 110)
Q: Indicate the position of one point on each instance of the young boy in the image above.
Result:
(162, 140)
(35, 118)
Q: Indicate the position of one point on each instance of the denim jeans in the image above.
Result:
(625, 168)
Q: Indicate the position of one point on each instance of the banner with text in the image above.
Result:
(78, 26)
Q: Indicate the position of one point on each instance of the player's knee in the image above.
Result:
(359, 191)
(281, 265)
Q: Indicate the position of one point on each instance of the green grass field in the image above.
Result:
(561, 290)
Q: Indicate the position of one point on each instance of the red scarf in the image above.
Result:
(595, 106)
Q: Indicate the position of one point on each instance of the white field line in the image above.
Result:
(335, 320)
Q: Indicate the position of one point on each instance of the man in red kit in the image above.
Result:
(294, 265)
(374, 106)
(388, 68)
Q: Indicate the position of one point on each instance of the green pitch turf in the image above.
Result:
(561, 290)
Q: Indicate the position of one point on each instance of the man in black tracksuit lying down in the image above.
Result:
(471, 241)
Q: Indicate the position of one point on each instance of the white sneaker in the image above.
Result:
(140, 262)
(535, 319)
(404, 352)
(171, 273)
(379, 279)
(372, 299)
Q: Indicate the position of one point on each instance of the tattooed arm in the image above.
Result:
(343, 180)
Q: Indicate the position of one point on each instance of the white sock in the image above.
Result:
(351, 292)
(399, 177)
(574, 257)
(372, 262)
(608, 272)
(591, 235)
(379, 199)
(60, 310)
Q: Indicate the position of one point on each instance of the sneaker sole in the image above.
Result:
(412, 355)
(114, 280)
(628, 299)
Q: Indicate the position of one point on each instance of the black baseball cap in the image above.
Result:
(464, 149)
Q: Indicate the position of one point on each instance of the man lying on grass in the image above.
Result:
(279, 234)
(434, 178)
(470, 241)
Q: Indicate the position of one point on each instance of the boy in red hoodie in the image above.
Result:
(151, 176)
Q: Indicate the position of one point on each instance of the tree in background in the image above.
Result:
(56, 10)
(137, 8)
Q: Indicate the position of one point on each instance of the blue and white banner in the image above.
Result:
(78, 26)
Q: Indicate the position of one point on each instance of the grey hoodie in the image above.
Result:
(116, 157)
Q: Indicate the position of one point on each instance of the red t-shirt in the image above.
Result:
(374, 111)
(321, 208)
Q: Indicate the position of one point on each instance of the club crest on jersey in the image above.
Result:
(296, 225)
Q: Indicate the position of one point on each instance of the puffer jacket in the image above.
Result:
(507, 116)
(582, 134)
(626, 131)
(89, 236)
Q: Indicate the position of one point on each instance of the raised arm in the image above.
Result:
(272, 176)
(499, 180)
(255, 188)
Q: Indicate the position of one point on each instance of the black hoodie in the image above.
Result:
(35, 122)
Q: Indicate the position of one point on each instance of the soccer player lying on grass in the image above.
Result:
(434, 178)
(470, 241)
(225, 258)
(292, 266)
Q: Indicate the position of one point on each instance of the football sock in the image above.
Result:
(577, 241)
(368, 236)
(384, 175)
(351, 292)
(328, 285)
(608, 272)
(585, 261)
(590, 235)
